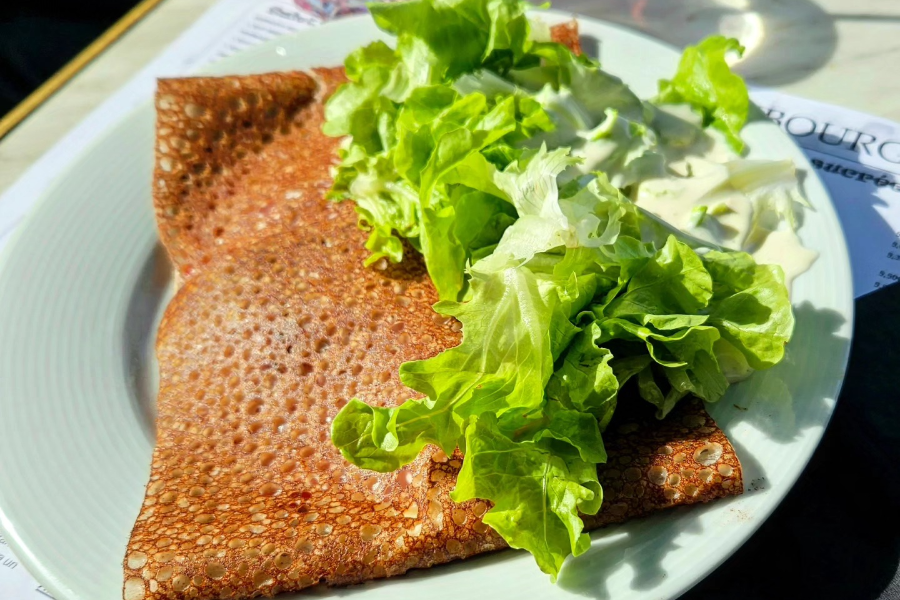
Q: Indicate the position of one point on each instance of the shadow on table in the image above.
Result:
(785, 41)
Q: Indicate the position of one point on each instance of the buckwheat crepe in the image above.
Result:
(276, 325)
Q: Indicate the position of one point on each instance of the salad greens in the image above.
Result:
(705, 82)
(477, 143)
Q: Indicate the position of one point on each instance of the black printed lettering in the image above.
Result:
(801, 130)
(859, 143)
(825, 135)
(775, 115)
(878, 179)
(289, 15)
(890, 151)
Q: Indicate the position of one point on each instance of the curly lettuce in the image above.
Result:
(568, 301)
(705, 82)
(504, 160)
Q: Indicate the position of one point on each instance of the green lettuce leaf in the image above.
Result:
(594, 89)
(705, 81)
(750, 307)
(385, 206)
(584, 378)
(410, 131)
(537, 493)
(516, 324)
(627, 151)
(499, 157)
(688, 313)
(386, 439)
(502, 366)
(443, 110)
(442, 39)
(672, 282)
(413, 190)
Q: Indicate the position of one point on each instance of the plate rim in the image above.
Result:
(48, 578)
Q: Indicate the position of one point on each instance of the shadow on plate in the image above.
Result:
(148, 301)
(769, 406)
(766, 401)
(643, 548)
(834, 524)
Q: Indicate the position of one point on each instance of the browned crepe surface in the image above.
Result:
(567, 34)
(258, 352)
(239, 158)
(277, 326)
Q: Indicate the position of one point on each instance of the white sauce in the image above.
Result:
(701, 185)
(695, 194)
(593, 153)
(674, 200)
(784, 248)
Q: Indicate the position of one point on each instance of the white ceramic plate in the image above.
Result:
(84, 281)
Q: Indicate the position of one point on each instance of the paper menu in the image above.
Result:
(267, 20)
(858, 156)
(15, 582)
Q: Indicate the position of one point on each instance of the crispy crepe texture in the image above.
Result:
(567, 35)
(241, 158)
(276, 327)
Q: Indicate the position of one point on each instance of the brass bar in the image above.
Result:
(72, 68)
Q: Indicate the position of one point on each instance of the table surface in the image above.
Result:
(834, 525)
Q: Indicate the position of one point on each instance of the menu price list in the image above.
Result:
(858, 158)
(886, 277)
(15, 582)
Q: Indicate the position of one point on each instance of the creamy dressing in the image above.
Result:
(593, 154)
(703, 199)
(784, 248)
(707, 207)
(682, 136)
(703, 205)
(624, 150)
(690, 178)
(731, 228)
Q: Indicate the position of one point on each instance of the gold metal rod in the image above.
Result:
(61, 77)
